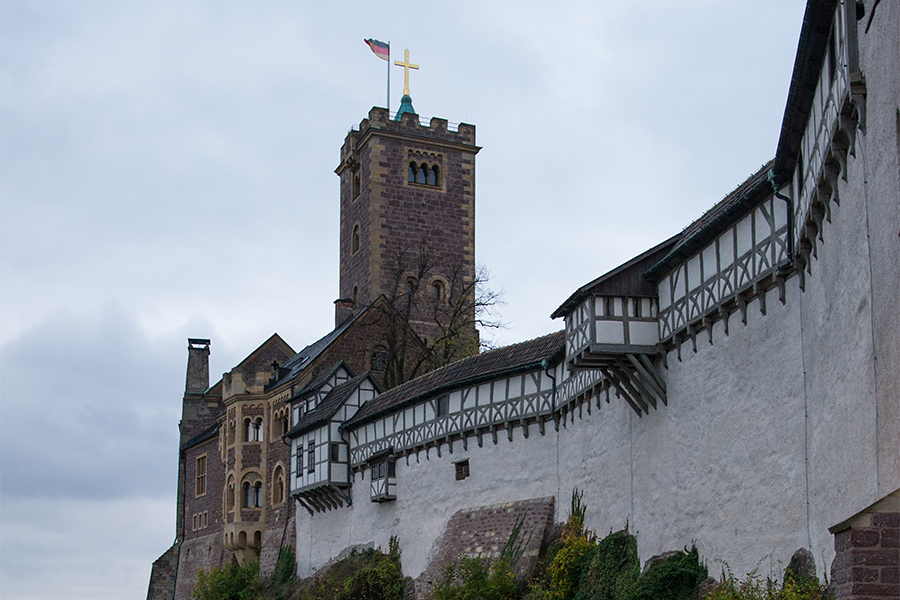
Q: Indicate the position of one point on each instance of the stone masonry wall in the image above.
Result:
(162, 575)
(867, 558)
(395, 216)
(483, 532)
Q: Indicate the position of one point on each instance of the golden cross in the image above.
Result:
(406, 67)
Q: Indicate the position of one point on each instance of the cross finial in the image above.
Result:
(406, 67)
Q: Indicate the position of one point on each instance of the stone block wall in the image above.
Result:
(867, 553)
(484, 531)
(162, 575)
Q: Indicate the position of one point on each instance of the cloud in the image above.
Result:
(90, 410)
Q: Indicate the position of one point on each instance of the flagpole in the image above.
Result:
(388, 103)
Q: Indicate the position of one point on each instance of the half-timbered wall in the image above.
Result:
(327, 445)
(832, 91)
(746, 253)
(481, 411)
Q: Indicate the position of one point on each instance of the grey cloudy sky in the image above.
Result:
(166, 170)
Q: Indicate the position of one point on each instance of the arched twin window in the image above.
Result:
(253, 430)
(252, 494)
(423, 174)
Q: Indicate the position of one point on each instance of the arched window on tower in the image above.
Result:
(355, 295)
(257, 495)
(354, 244)
(356, 185)
(278, 486)
(438, 291)
(423, 174)
(413, 169)
(434, 176)
(247, 496)
(257, 430)
(248, 430)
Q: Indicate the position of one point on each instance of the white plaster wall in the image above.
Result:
(724, 469)
(880, 57)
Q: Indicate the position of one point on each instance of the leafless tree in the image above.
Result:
(427, 327)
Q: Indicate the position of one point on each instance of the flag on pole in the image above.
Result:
(381, 50)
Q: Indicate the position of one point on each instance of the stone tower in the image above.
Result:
(407, 213)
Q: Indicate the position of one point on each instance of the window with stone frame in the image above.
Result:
(278, 485)
(200, 485)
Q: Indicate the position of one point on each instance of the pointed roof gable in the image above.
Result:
(625, 280)
(330, 404)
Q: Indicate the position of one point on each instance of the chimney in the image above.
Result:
(343, 310)
(197, 367)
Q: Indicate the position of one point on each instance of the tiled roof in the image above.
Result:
(518, 357)
(328, 406)
(725, 213)
(299, 361)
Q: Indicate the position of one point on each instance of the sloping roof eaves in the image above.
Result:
(323, 377)
(811, 52)
(299, 361)
(201, 437)
(585, 290)
(327, 408)
(495, 363)
(714, 221)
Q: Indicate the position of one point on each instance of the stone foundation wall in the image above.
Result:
(484, 531)
(204, 552)
(162, 575)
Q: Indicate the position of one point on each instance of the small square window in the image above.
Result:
(335, 452)
(443, 406)
(462, 470)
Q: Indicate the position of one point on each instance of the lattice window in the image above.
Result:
(200, 487)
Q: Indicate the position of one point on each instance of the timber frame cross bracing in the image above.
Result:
(633, 376)
(322, 499)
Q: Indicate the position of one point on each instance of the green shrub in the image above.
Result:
(754, 587)
(566, 559)
(367, 575)
(674, 578)
(613, 569)
(477, 579)
(228, 582)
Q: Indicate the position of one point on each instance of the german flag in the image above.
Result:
(381, 50)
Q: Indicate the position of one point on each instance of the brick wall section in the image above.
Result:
(867, 558)
(483, 531)
(162, 575)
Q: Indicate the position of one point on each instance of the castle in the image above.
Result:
(736, 386)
